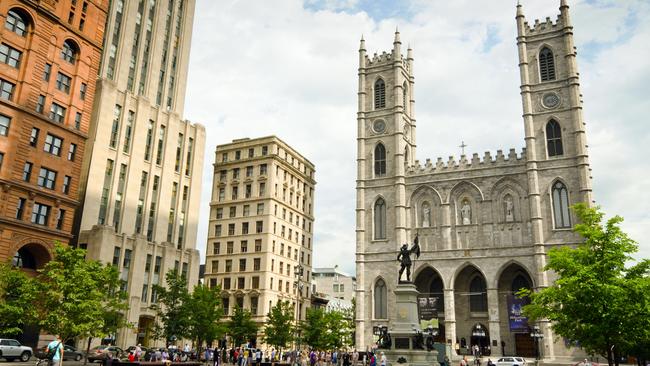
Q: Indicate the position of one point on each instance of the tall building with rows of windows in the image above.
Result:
(49, 56)
(485, 223)
(259, 247)
(143, 165)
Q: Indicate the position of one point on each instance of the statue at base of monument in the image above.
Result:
(404, 257)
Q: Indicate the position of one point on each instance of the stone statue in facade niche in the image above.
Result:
(426, 215)
(510, 209)
(466, 213)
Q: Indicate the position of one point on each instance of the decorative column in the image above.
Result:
(493, 319)
(450, 320)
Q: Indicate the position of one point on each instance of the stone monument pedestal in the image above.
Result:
(403, 330)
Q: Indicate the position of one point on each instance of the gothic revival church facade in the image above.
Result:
(485, 224)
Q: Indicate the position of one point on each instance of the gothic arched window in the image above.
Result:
(381, 301)
(380, 94)
(554, 138)
(560, 197)
(405, 97)
(69, 51)
(477, 295)
(546, 64)
(518, 283)
(380, 219)
(380, 160)
(16, 23)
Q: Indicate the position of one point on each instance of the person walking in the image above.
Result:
(383, 359)
(56, 347)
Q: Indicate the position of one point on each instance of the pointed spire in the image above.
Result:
(564, 3)
(409, 53)
(362, 45)
(397, 38)
(520, 9)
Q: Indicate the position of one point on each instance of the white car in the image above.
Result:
(11, 349)
(511, 361)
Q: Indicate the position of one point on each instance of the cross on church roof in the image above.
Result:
(462, 147)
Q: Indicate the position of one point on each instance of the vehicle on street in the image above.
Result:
(511, 361)
(100, 353)
(11, 349)
(71, 353)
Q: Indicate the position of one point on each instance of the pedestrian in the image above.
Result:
(55, 348)
(132, 356)
(463, 362)
(447, 363)
(383, 359)
(490, 363)
(373, 360)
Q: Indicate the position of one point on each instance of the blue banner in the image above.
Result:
(516, 319)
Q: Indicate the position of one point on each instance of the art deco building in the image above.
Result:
(261, 226)
(49, 56)
(142, 181)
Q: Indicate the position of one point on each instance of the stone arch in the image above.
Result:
(494, 281)
(375, 297)
(461, 268)
(465, 199)
(552, 203)
(499, 193)
(31, 256)
(27, 16)
(421, 195)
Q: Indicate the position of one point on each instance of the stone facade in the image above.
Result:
(484, 223)
(334, 283)
(45, 108)
(261, 226)
(141, 183)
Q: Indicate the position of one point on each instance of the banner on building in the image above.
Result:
(516, 319)
(428, 307)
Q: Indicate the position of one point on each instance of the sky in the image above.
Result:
(289, 68)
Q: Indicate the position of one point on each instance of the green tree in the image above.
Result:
(17, 294)
(279, 329)
(76, 296)
(596, 300)
(313, 329)
(205, 310)
(339, 329)
(172, 308)
(241, 326)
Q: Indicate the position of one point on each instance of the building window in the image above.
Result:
(20, 208)
(554, 138)
(47, 71)
(68, 51)
(256, 264)
(60, 218)
(258, 245)
(53, 145)
(6, 89)
(127, 132)
(161, 147)
(10, 55)
(380, 219)
(244, 246)
(380, 94)
(82, 91)
(228, 265)
(244, 228)
(215, 266)
(242, 265)
(33, 139)
(265, 150)
(115, 129)
(40, 213)
(66, 184)
(40, 105)
(4, 125)
(16, 23)
(46, 178)
(231, 229)
(405, 98)
(561, 206)
(57, 113)
(380, 160)
(478, 295)
(63, 82)
(260, 208)
(77, 120)
(230, 247)
(247, 210)
(27, 171)
(259, 227)
(546, 64)
(380, 300)
(72, 151)
(217, 230)
(216, 248)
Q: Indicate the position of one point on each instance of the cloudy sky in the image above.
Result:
(289, 68)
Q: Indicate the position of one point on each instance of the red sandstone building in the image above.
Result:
(49, 56)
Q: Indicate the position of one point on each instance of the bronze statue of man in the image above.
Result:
(404, 257)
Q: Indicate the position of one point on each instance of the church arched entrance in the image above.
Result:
(31, 257)
(429, 283)
(471, 308)
(517, 338)
(480, 340)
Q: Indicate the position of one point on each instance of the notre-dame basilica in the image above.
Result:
(485, 223)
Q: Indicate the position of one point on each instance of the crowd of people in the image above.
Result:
(246, 356)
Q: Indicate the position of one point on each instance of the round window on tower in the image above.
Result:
(379, 126)
(550, 100)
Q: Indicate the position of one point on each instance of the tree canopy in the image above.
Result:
(599, 299)
(171, 307)
(17, 294)
(324, 330)
(204, 307)
(241, 326)
(279, 331)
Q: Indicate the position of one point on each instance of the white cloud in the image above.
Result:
(273, 67)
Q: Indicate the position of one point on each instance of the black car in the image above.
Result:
(100, 353)
(71, 353)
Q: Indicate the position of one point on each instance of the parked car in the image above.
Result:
(11, 349)
(511, 361)
(100, 353)
(71, 353)
(144, 351)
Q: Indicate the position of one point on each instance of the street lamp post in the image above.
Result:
(537, 335)
(298, 285)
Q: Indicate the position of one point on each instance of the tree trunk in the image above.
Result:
(610, 361)
(616, 357)
(87, 351)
